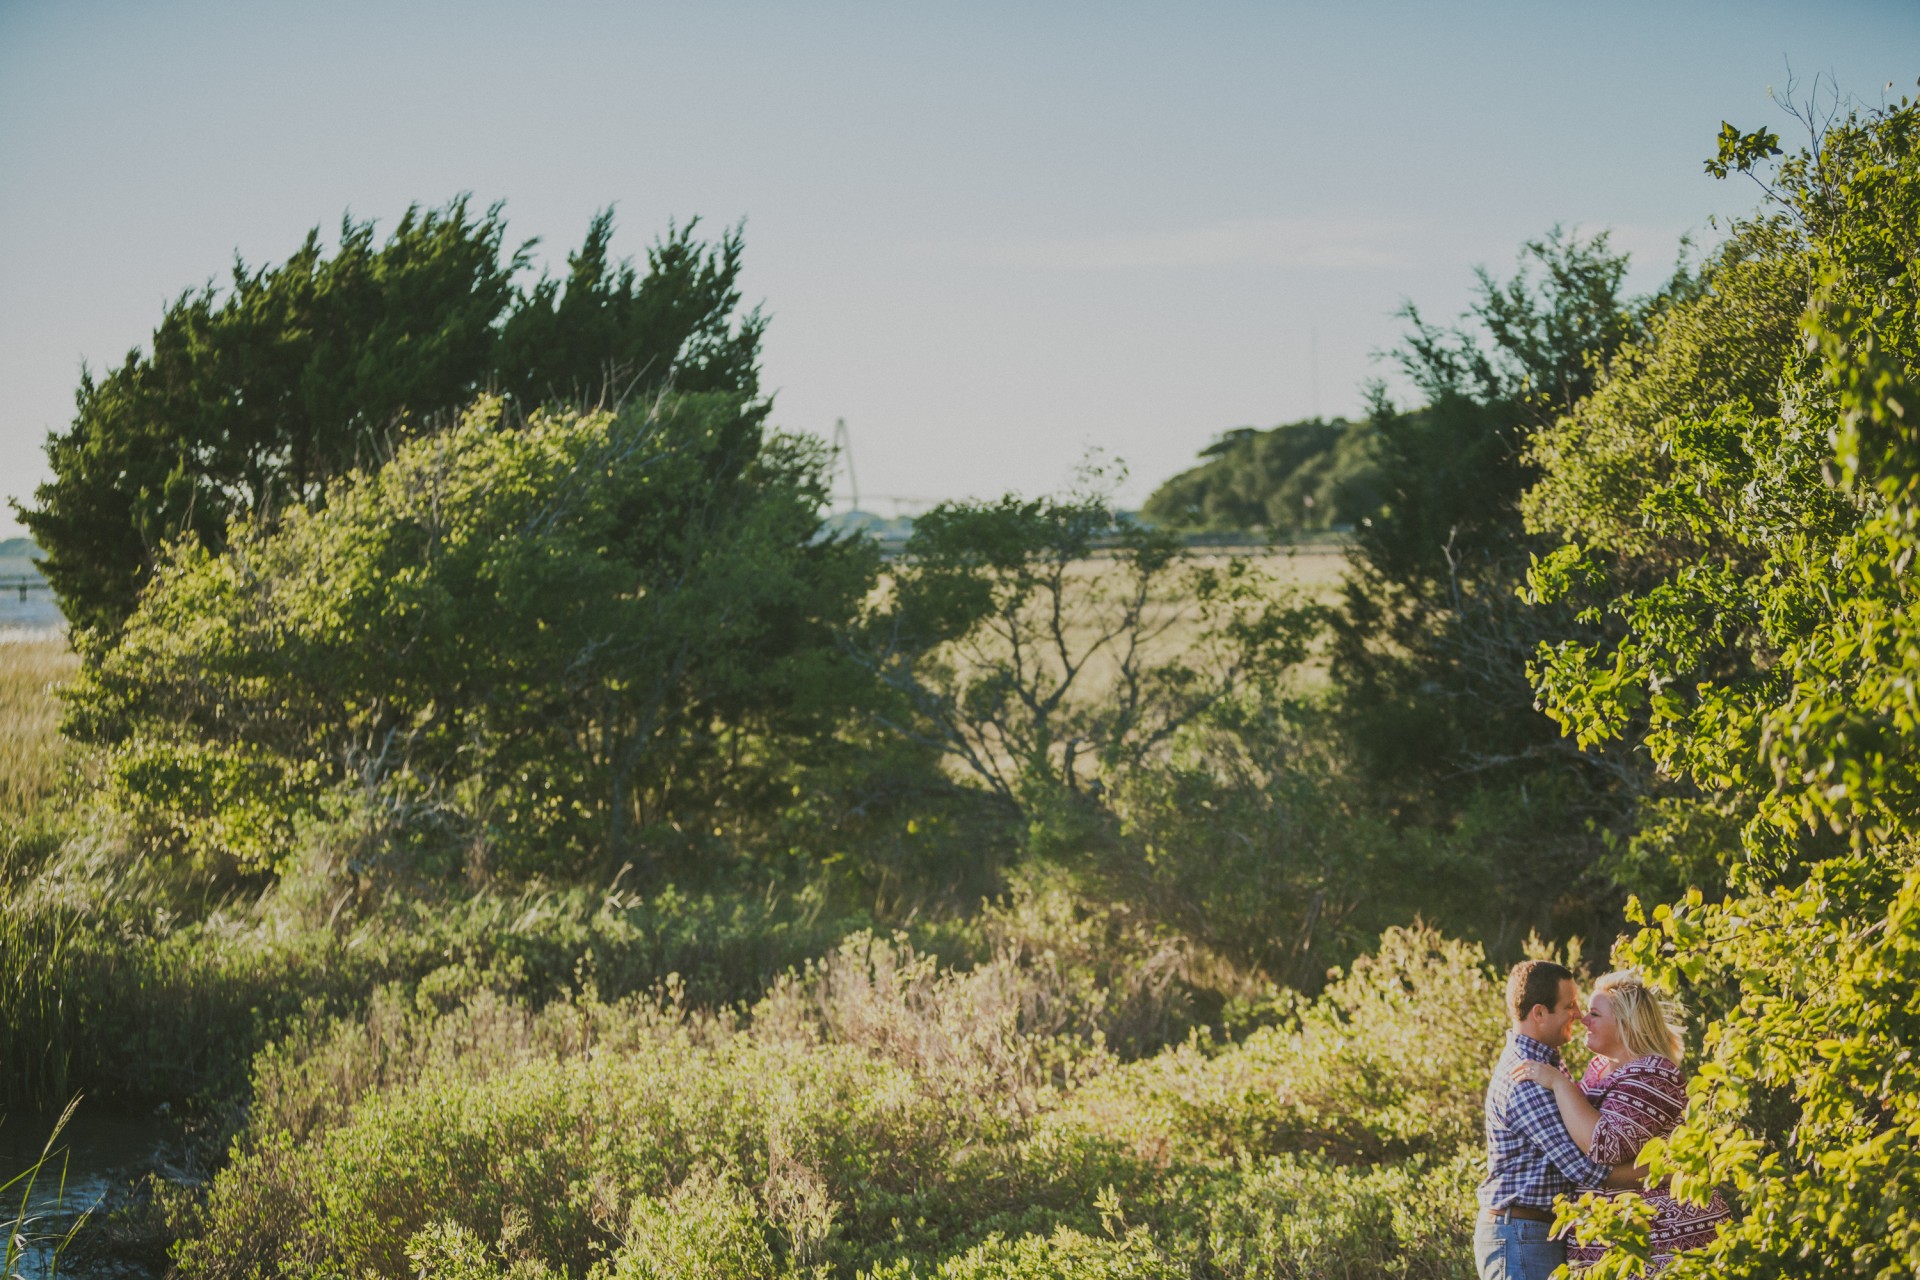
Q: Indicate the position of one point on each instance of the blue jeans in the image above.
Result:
(1515, 1249)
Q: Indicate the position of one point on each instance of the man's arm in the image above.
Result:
(1534, 1113)
(1626, 1175)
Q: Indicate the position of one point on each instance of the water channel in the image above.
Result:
(89, 1167)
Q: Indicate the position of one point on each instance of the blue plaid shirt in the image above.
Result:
(1531, 1159)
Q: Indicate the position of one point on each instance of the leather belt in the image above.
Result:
(1525, 1211)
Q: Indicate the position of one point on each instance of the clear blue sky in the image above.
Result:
(990, 235)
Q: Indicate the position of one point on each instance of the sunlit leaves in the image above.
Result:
(526, 642)
(1740, 152)
(1775, 665)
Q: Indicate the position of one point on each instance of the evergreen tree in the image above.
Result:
(1432, 644)
(254, 399)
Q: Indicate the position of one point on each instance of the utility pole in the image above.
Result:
(843, 448)
(1313, 371)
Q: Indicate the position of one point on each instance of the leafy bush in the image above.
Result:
(1389, 1061)
(1769, 663)
(874, 1110)
(504, 644)
(1306, 1218)
(1065, 1255)
(841, 1147)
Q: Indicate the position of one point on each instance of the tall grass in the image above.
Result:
(35, 1052)
(36, 770)
(34, 760)
(143, 1014)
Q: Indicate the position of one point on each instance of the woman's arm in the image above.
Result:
(1576, 1112)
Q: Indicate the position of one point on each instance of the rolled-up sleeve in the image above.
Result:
(1535, 1114)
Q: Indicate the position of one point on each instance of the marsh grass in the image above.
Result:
(37, 769)
(37, 765)
(1095, 583)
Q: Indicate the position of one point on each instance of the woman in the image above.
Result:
(1632, 1091)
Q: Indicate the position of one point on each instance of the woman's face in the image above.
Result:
(1603, 1029)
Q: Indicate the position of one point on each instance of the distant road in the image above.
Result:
(1221, 544)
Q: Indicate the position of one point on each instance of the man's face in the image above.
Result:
(1556, 1024)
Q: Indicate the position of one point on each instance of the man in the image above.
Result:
(1531, 1159)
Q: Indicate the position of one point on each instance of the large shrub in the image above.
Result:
(875, 1111)
(517, 647)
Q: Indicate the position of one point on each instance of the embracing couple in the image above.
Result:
(1548, 1136)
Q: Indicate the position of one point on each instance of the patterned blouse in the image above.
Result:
(1639, 1100)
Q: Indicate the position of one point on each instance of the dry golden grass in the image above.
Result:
(1169, 617)
(1314, 570)
(1095, 652)
(33, 757)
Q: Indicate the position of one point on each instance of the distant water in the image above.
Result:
(29, 616)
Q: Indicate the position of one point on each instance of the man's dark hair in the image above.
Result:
(1535, 982)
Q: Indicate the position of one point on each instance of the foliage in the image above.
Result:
(252, 402)
(1775, 668)
(1256, 839)
(862, 1118)
(613, 333)
(1728, 344)
(1064, 1254)
(1048, 646)
(130, 1004)
(1306, 1218)
(1431, 645)
(1768, 660)
(1388, 1062)
(515, 649)
(1291, 478)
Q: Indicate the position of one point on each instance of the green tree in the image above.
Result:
(612, 332)
(526, 648)
(1767, 630)
(251, 400)
(1300, 476)
(1431, 647)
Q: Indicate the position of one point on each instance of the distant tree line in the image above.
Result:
(1295, 478)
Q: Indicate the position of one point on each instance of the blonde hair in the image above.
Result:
(1648, 1021)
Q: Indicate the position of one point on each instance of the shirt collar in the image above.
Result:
(1527, 1047)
